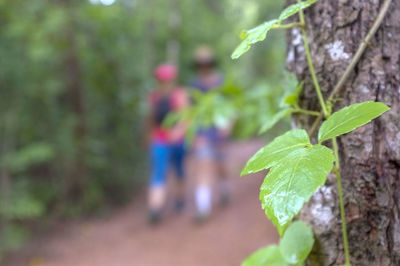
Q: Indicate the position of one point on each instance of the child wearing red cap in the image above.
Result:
(166, 144)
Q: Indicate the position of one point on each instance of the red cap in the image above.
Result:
(165, 72)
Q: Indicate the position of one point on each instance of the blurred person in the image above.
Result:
(209, 142)
(166, 145)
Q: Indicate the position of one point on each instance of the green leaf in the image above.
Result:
(296, 243)
(259, 33)
(275, 119)
(295, 8)
(280, 147)
(293, 98)
(292, 182)
(171, 119)
(253, 36)
(291, 86)
(224, 112)
(349, 118)
(269, 255)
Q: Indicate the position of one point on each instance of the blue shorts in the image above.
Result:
(162, 157)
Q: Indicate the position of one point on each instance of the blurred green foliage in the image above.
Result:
(248, 110)
(73, 82)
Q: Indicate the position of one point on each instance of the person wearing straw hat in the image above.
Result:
(209, 142)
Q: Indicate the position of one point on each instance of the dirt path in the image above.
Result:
(125, 238)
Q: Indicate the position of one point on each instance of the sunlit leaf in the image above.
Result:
(292, 182)
(280, 147)
(269, 255)
(296, 243)
(253, 36)
(349, 118)
(275, 119)
(295, 8)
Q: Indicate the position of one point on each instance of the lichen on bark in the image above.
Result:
(370, 156)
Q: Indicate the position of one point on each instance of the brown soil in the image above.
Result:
(125, 238)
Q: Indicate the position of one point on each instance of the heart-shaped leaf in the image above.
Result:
(276, 150)
(292, 182)
(349, 118)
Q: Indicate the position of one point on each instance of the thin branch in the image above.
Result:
(306, 112)
(315, 125)
(341, 201)
(311, 66)
(356, 58)
(288, 26)
(361, 48)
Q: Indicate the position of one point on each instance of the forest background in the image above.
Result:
(73, 82)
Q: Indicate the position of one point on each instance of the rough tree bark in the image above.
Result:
(370, 156)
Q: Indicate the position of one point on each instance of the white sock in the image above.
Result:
(203, 200)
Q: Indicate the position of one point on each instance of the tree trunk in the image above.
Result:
(370, 156)
(77, 173)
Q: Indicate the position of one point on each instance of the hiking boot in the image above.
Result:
(154, 217)
(201, 218)
(179, 205)
(225, 199)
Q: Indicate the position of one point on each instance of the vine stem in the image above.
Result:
(288, 26)
(311, 66)
(306, 112)
(341, 201)
(361, 49)
(326, 113)
(354, 60)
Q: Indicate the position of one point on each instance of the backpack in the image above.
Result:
(161, 109)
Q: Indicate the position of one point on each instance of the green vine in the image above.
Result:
(297, 167)
(310, 64)
(354, 60)
(341, 201)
